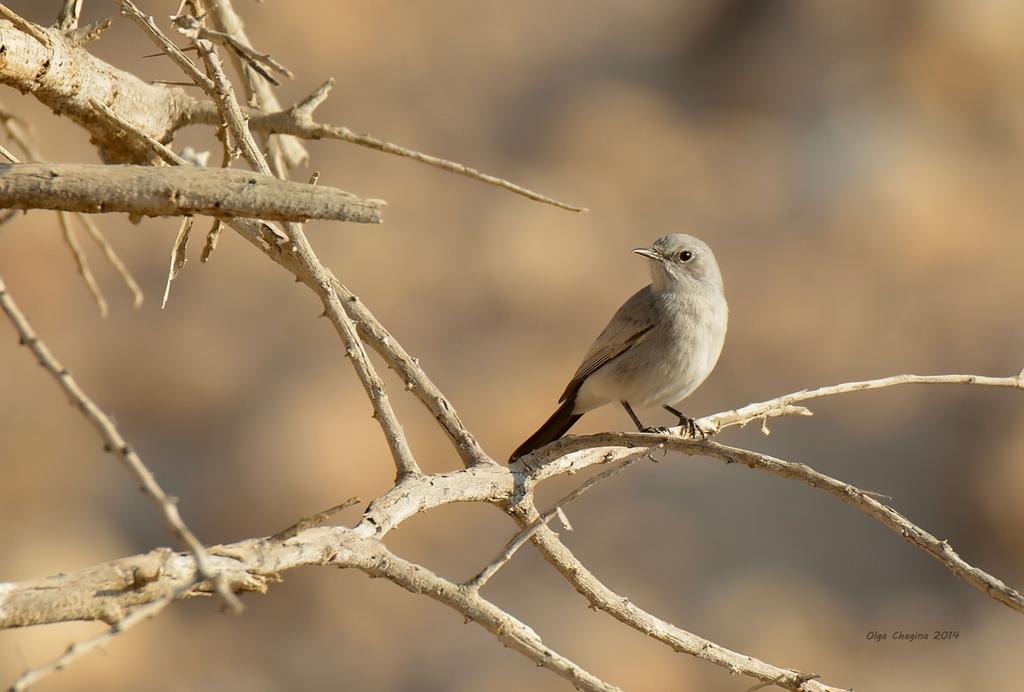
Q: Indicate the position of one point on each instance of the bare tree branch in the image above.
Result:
(67, 77)
(286, 152)
(260, 63)
(115, 443)
(67, 86)
(509, 631)
(75, 595)
(79, 649)
(496, 484)
(20, 136)
(571, 454)
(176, 191)
(252, 564)
(620, 608)
(82, 263)
(133, 121)
(405, 463)
(298, 121)
(220, 90)
(866, 502)
(542, 520)
(313, 520)
(113, 258)
(783, 405)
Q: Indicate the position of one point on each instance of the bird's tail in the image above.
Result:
(556, 426)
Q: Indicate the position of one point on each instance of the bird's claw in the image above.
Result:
(656, 429)
(694, 431)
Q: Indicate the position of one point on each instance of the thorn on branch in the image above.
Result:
(303, 110)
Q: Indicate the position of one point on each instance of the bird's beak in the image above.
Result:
(648, 253)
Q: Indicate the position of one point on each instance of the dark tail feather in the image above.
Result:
(556, 426)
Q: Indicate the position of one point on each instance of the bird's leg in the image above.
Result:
(636, 421)
(692, 429)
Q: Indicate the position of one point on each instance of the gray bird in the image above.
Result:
(659, 347)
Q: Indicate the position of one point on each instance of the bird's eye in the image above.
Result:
(685, 256)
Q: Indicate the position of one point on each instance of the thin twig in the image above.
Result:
(783, 405)
(8, 155)
(223, 94)
(628, 613)
(189, 26)
(866, 503)
(129, 10)
(18, 130)
(524, 535)
(82, 263)
(285, 151)
(70, 13)
(415, 377)
(113, 258)
(212, 236)
(298, 120)
(313, 520)
(405, 462)
(177, 255)
(21, 137)
(79, 649)
(158, 148)
(115, 443)
(33, 30)
(509, 631)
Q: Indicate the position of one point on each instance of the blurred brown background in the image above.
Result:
(856, 167)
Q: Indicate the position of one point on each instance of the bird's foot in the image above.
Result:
(693, 430)
(656, 429)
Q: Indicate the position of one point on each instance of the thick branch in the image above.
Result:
(106, 592)
(573, 453)
(176, 191)
(299, 258)
(542, 520)
(33, 30)
(65, 78)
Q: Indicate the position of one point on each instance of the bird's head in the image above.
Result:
(682, 260)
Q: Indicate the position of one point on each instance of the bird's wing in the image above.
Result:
(625, 330)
